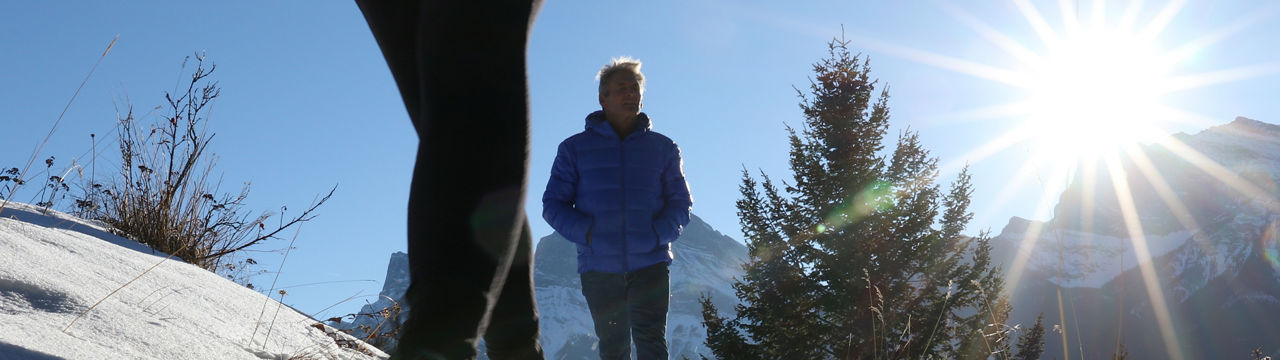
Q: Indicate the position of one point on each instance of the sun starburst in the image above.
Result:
(1092, 95)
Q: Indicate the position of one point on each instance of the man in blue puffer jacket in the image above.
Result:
(618, 191)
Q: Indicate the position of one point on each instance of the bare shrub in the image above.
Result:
(383, 334)
(165, 197)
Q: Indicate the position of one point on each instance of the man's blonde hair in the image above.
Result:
(617, 65)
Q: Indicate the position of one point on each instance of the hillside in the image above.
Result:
(55, 267)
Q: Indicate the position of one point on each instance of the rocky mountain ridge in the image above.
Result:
(1206, 205)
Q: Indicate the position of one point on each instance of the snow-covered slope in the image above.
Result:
(54, 267)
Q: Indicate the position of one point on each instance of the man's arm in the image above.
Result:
(558, 199)
(677, 202)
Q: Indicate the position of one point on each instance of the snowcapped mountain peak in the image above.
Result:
(1251, 125)
(1017, 224)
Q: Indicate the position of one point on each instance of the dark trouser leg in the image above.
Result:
(649, 295)
(607, 298)
(513, 329)
(457, 283)
(466, 205)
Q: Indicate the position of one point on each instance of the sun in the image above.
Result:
(1087, 92)
(1095, 92)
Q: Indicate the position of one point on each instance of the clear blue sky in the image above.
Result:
(308, 102)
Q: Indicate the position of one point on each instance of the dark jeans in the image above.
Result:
(630, 305)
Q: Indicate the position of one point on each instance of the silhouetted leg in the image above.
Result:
(460, 69)
(513, 330)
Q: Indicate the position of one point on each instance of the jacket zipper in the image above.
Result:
(622, 155)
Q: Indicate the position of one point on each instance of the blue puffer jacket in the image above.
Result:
(622, 201)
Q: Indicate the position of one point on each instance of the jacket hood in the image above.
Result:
(596, 122)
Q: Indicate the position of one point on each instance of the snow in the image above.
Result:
(54, 268)
(566, 308)
(1089, 260)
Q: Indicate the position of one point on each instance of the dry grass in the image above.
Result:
(165, 195)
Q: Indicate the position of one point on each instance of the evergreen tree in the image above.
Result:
(861, 255)
(1031, 344)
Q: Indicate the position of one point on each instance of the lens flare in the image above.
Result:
(1271, 250)
(877, 197)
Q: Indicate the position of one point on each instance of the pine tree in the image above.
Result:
(1031, 344)
(861, 255)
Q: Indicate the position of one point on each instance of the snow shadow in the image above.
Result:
(13, 352)
(16, 295)
(32, 216)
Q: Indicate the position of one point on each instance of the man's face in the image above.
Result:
(623, 100)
